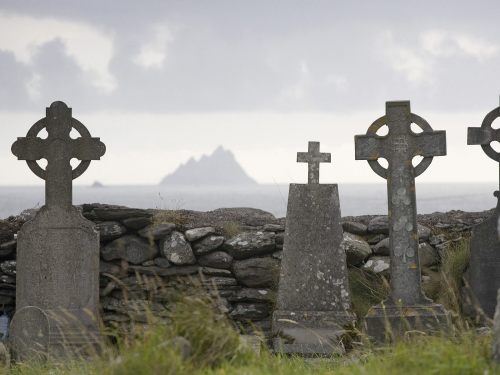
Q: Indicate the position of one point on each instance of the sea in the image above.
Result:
(355, 199)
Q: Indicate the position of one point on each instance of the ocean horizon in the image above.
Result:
(355, 199)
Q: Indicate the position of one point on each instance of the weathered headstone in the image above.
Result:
(57, 281)
(313, 305)
(407, 308)
(484, 266)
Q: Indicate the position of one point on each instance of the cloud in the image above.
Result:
(448, 44)
(299, 90)
(90, 48)
(153, 53)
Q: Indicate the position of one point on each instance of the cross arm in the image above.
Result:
(429, 144)
(29, 148)
(482, 136)
(88, 148)
(369, 147)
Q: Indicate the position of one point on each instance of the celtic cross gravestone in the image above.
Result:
(407, 308)
(484, 265)
(57, 285)
(313, 306)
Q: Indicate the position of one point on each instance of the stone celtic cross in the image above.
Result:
(313, 158)
(58, 149)
(399, 147)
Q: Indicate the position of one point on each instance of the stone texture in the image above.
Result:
(273, 228)
(217, 259)
(313, 290)
(249, 311)
(162, 262)
(136, 223)
(207, 244)
(177, 250)
(257, 272)
(253, 295)
(7, 248)
(110, 230)
(157, 231)
(131, 248)
(382, 248)
(197, 233)
(424, 233)
(378, 264)
(355, 228)
(427, 254)
(356, 249)
(379, 225)
(8, 267)
(496, 331)
(249, 244)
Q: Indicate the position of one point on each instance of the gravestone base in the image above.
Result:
(386, 323)
(310, 333)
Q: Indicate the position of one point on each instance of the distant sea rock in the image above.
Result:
(219, 168)
(97, 184)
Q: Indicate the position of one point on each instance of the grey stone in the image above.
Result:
(57, 282)
(249, 244)
(278, 255)
(148, 263)
(110, 268)
(136, 223)
(210, 271)
(379, 225)
(424, 233)
(221, 282)
(355, 228)
(7, 248)
(162, 262)
(197, 233)
(8, 267)
(166, 272)
(399, 148)
(253, 295)
(115, 213)
(496, 331)
(382, 248)
(273, 228)
(378, 265)
(157, 231)
(427, 254)
(207, 244)
(257, 272)
(438, 239)
(7, 231)
(313, 303)
(280, 238)
(177, 250)
(356, 249)
(110, 230)
(217, 259)
(131, 248)
(250, 311)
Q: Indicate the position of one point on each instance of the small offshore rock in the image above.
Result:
(355, 228)
(249, 244)
(197, 233)
(356, 249)
(382, 248)
(257, 272)
(217, 259)
(110, 230)
(177, 250)
(208, 244)
(379, 225)
(131, 248)
(156, 231)
(378, 264)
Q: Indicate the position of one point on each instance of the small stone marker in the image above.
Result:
(313, 304)
(407, 308)
(57, 282)
(484, 265)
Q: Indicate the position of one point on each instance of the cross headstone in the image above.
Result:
(313, 157)
(484, 265)
(313, 305)
(57, 275)
(407, 307)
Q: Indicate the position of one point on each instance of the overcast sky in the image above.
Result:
(160, 81)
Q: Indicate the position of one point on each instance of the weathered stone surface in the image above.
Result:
(110, 230)
(355, 228)
(378, 264)
(250, 311)
(111, 268)
(157, 231)
(496, 331)
(177, 250)
(427, 254)
(7, 248)
(382, 248)
(217, 259)
(375, 238)
(221, 282)
(253, 295)
(166, 272)
(249, 244)
(115, 213)
(207, 244)
(7, 231)
(136, 223)
(379, 225)
(273, 228)
(197, 233)
(210, 271)
(424, 233)
(356, 249)
(257, 272)
(8, 267)
(131, 248)
(162, 262)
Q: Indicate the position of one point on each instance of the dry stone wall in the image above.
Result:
(149, 256)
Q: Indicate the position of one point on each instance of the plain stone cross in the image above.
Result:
(313, 157)
(58, 149)
(399, 148)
